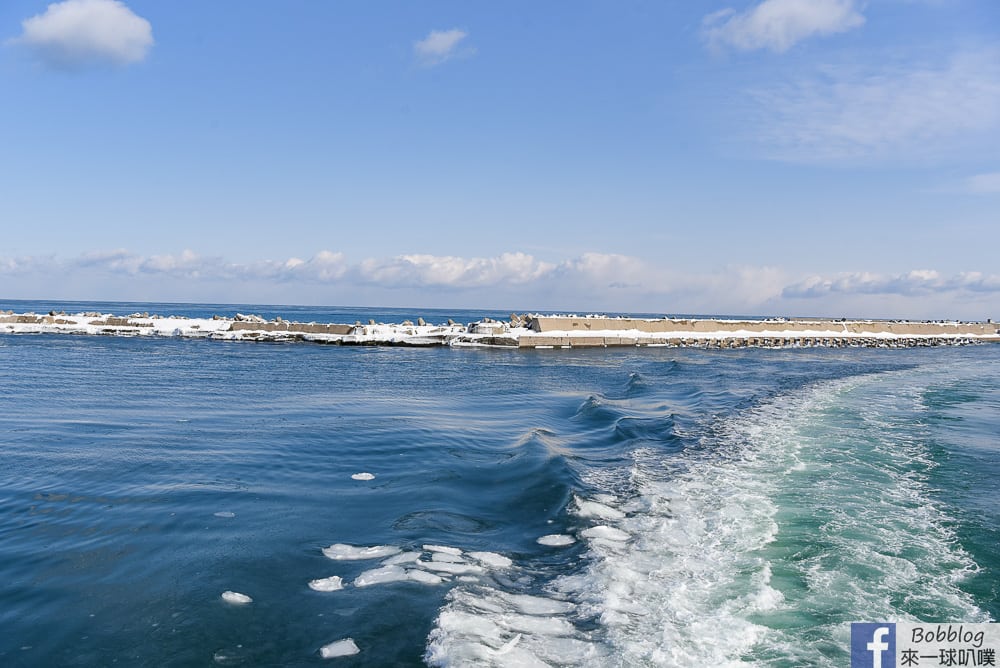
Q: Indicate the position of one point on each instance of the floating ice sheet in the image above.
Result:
(443, 549)
(424, 577)
(556, 540)
(448, 567)
(598, 510)
(381, 575)
(236, 598)
(345, 647)
(344, 552)
(492, 559)
(402, 558)
(332, 583)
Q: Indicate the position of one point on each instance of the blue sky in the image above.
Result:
(787, 157)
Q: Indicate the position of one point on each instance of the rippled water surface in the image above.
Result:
(720, 507)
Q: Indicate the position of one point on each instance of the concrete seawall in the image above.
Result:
(544, 324)
(579, 332)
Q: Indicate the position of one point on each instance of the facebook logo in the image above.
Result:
(873, 645)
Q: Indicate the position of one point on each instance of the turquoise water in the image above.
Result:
(733, 507)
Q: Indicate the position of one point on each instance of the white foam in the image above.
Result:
(606, 533)
(556, 540)
(345, 647)
(344, 552)
(701, 531)
(332, 583)
(546, 626)
(363, 476)
(236, 598)
(537, 605)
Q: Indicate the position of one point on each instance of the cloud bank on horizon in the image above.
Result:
(520, 280)
(818, 157)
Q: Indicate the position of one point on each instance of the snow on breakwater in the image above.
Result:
(529, 331)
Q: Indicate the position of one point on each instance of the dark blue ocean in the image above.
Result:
(696, 507)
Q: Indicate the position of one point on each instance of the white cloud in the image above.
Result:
(450, 271)
(593, 281)
(78, 33)
(439, 46)
(848, 113)
(916, 283)
(780, 24)
(983, 184)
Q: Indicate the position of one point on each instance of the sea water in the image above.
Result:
(169, 502)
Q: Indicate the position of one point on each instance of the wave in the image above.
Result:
(760, 545)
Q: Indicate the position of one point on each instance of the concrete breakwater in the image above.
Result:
(565, 331)
(528, 331)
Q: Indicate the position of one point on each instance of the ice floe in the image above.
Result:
(556, 540)
(364, 475)
(381, 575)
(345, 647)
(486, 626)
(424, 577)
(402, 558)
(598, 510)
(432, 565)
(236, 598)
(344, 552)
(450, 567)
(492, 559)
(332, 583)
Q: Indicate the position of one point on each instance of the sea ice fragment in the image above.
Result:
(344, 552)
(345, 647)
(236, 598)
(332, 583)
(492, 559)
(380, 576)
(444, 549)
(424, 577)
(594, 509)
